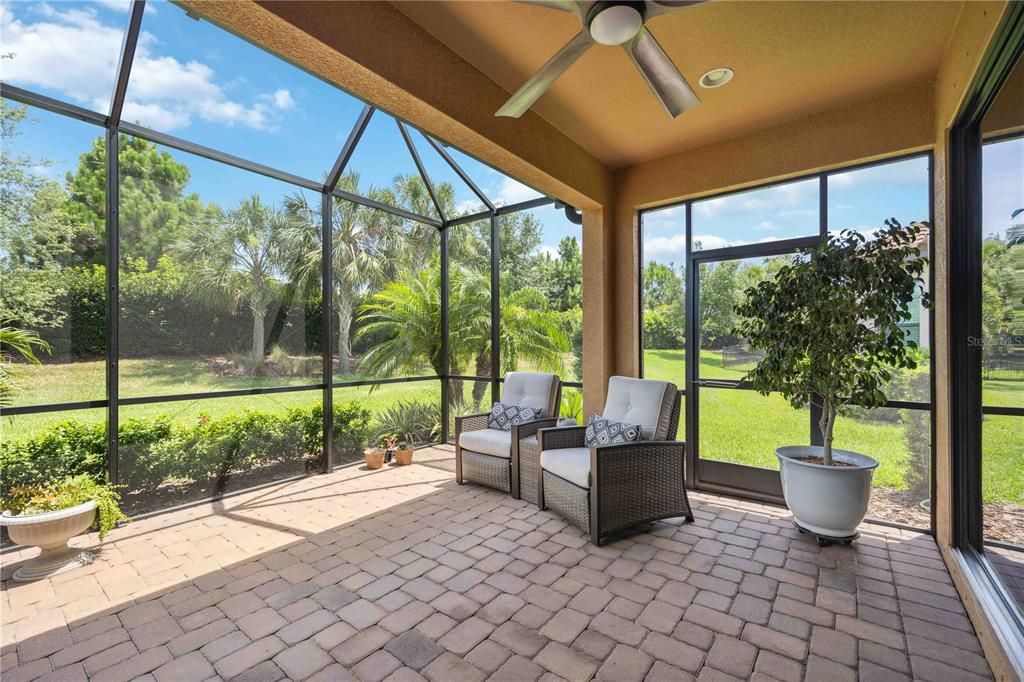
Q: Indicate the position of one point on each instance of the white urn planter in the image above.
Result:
(828, 502)
(50, 532)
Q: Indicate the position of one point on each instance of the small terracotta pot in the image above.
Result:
(374, 457)
(403, 457)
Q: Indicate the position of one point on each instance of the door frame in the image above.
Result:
(739, 480)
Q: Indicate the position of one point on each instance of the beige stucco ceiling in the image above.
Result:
(791, 59)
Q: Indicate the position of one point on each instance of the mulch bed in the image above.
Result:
(1004, 522)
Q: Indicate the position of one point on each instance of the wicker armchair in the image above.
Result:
(496, 458)
(608, 489)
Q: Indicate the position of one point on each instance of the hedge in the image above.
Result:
(156, 451)
(160, 315)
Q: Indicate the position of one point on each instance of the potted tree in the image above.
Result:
(47, 516)
(828, 324)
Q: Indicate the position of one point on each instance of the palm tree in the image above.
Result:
(369, 247)
(22, 342)
(407, 313)
(237, 257)
(361, 240)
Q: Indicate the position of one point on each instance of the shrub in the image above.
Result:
(572, 404)
(159, 314)
(141, 464)
(662, 331)
(412, 421)
(66, 449)
(155, 451)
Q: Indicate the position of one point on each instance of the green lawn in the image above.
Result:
(736, 426)
(744, 427)
(72, 382)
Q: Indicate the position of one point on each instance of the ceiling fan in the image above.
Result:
(612, 23)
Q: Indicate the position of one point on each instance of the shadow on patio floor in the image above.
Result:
(402, 574)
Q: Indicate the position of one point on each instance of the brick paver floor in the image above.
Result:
(400, 574)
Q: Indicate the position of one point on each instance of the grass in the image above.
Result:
(745, 427)
(736, 426)
(80, 381)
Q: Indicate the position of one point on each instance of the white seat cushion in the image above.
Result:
(488, 441)
(529, 389)
(572, 464)
(636, 401)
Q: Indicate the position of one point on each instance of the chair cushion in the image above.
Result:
(529, 389)
(493, 442)
(572, 464)
(504, 416)
(601, 432)
(640, 401)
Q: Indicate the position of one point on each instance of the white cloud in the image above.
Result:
(513, 192)
(665, 246)
(469, 206)
(778, 199)
(75, 54)
(122, 6)
(155, 116)
(710, 241)
(72, 53)
(549, 251)
(765, 225)
(283, 99)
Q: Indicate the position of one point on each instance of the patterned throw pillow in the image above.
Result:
(503, 417)
(601, 432)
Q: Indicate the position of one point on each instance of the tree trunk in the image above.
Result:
(483, 369)
(827, 424)
(344, 340)
(257, 336)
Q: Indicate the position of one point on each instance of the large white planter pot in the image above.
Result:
(828, 501)
(50, 532)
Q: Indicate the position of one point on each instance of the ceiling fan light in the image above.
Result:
(616, 24)
(716, 78)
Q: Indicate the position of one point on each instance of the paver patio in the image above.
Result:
(401, 574)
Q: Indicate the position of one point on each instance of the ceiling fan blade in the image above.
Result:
(655, 8)
(661, 74)
(542, 80)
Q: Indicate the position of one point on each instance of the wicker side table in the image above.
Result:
(529, 469)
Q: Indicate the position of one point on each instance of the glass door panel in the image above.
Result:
(744, 427)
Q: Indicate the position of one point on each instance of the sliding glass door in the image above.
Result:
(699, 257)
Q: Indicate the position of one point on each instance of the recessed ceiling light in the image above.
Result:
(716, 78)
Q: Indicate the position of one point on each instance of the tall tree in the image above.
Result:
(236, 257)
(36, 234)
(520, 238)
(566, 275)
(154, 210)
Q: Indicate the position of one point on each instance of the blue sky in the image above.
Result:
(1002, 166)
(195, 81)
(859, 200)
